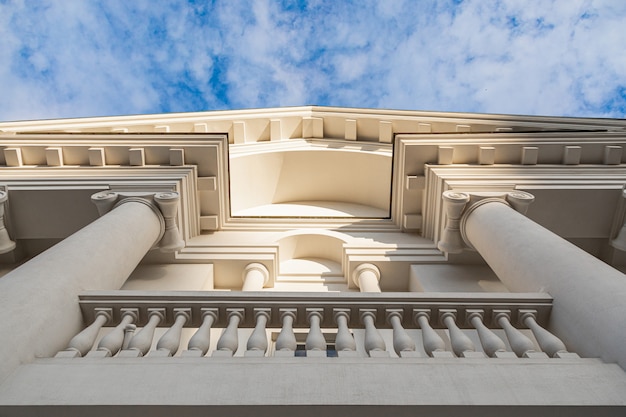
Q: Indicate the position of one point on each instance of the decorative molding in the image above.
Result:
(100, 160)
(380, 303)
(294, 122)
(163, 204)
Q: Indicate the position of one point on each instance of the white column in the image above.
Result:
(42, 294)
(367, 278)
(588, 294)
(255, 276)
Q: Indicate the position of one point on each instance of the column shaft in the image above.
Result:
(367, 278)
(42, 294)
(255, 276)
(588, 294)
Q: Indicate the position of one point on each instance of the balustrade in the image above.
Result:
(201, 340)
(402, 342)
(81, 343)
(433, 343)
(491, 343)
(327, 322)
(520, 343)
(373, 340)
(169, 342)
(286, 340)
(549, 343)
(113, 342)
(344, 341)
(257, 342)
(315, 339)
(461, 344)
(142, 341)
(229, 341)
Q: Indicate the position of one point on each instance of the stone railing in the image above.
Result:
(499, 325)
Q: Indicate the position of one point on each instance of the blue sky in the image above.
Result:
(74, 58)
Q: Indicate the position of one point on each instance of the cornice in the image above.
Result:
(373, 125)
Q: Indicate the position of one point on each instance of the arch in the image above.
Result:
(315, 257)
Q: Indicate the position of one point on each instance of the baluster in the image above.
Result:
(548, 342)
(402, 342)
(286, 340)
(373, 340)
(83, 341)
(170, 341)
(433, 343)
(459, 340)
(229, 341)
(201, 339)
(520, 344)
(315, 340)
(113, 341)
(489, 340)
(257, 342)
(142, 341)
(129, 332)
(344, 341)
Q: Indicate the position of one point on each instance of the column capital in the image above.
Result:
(459, 205)
(164, 205)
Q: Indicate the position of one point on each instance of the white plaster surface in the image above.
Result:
(461, 278)
(329, 381)
(171, 277)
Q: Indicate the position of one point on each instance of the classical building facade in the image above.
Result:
(313, 260)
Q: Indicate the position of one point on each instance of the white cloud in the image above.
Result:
(77, 58)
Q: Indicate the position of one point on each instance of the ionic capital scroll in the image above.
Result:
(459, 205)
(163, 204)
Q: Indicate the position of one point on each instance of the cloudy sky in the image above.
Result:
(71, 58)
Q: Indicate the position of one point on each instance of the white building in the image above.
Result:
(313, 260)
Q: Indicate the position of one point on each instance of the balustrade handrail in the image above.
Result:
(197, 303)
(125, 310)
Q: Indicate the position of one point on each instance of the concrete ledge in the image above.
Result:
(311, 411)
(328, 381)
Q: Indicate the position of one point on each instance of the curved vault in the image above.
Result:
(311, 257)
(310, 181)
